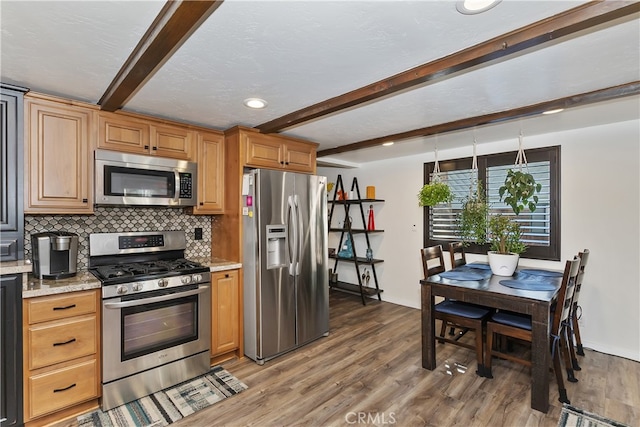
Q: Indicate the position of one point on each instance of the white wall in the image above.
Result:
(600, 210)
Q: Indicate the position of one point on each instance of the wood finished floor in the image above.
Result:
(371, 364)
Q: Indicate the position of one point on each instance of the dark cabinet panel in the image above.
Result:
(11, 350)
(12, 176)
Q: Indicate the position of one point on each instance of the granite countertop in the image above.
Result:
(84, 280)
(35, 287)
(217, 264)
(16, 267)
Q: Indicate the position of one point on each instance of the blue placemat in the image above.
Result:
(543, 273)
(461, 275)
(529, 285)
(479, 266)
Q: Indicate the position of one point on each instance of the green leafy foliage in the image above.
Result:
(434, 193)
(505, 235)
(472, 221)
(519, 191)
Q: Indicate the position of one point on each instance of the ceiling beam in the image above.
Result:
(536, 34)
(172, 27)
(628, 89)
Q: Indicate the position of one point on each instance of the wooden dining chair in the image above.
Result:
(456, 313)
(456, 252)
(518, 326)
(574, 330)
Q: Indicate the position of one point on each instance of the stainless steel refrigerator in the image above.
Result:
(286, 278)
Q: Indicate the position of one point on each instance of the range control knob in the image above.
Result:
(137, 287)
(122, 289)
(196, 278)
(185, 280)
(163, 283)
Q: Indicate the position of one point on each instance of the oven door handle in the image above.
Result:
(143, 301)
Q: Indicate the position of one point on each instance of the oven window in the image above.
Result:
(132, 182)
(152, 327)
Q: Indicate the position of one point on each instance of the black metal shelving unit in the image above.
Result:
(348, 230)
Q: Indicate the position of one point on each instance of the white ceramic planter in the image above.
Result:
(503, 264)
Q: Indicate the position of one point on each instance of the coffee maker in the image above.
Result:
(55, 254)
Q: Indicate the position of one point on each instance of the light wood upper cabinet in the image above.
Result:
(172, 141)
(225, 300)
(210, 173)
(274, 152)
(59, 141)
(120, 132)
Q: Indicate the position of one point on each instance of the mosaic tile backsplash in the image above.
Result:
(117, 219)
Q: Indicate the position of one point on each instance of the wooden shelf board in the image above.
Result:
(355, 230)
(355, 289)
(354, 201)
(361, 260)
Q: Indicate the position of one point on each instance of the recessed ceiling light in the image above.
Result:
(471, 7)
(255, 103)
(557, 110)
(387, 144)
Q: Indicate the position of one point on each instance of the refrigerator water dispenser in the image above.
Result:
(276, 244)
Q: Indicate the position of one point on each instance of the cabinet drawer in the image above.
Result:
(56, 342)
(59, 389)
(60, 306)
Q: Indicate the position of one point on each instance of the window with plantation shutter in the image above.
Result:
(541, 229)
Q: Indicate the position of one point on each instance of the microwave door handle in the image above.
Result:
(143, 301)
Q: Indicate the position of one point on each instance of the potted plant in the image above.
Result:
(434, 193)
(520, 188)
(506, 246)
(472, 220)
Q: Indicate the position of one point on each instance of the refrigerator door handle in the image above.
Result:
(292, 230)
(300, 233)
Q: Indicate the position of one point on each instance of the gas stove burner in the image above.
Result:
(127, 272)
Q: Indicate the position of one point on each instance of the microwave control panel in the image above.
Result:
(186, 186)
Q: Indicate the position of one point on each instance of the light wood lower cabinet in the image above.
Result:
(61, 352)
(225, 312)
(58, 157)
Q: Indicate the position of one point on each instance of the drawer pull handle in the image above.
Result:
(63, 343)
(64, 308)
(58, 390)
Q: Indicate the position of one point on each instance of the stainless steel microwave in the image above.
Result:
(132, 179)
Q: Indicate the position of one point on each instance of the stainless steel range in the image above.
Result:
(156, 313)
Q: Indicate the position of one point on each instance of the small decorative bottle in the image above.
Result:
(369, 254)
(371, 223)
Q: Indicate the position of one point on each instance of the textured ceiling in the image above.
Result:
(297, 53)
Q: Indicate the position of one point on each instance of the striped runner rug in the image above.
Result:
(169, 405)
(574, 417)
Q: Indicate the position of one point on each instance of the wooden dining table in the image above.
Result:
(490, 293)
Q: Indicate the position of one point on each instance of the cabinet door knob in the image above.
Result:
(154, 148)
(281, 162)
(201, 203)
(84, 200)
(226, 276)
(146, 147)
